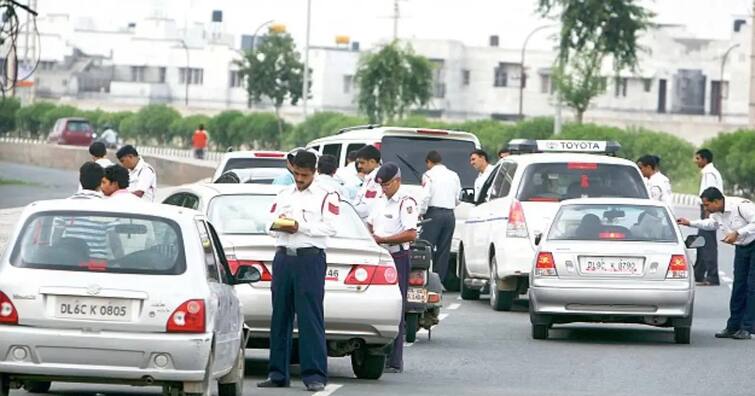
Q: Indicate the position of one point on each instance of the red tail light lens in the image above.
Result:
(582, 165)
(372, 275)
(517, 226)
(8, 313)
(234, 264)
(189, 317)
(677, 267)
(417, 278)
(611, 235)
(266, 154)
(545, 265)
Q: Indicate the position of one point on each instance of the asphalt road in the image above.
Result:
(23, 184)
(477, 351)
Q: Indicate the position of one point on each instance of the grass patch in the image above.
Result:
(15, 182)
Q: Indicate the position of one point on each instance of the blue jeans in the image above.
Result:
(742, 304)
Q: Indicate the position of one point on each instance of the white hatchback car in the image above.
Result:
(613, 260)
(249, 160)
(136, 294)
(362, 308)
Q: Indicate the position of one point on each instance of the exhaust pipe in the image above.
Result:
(148, 380)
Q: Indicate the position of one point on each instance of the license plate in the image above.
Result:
(90, 308)
(416, 295)
(332, 275)
(611, 265)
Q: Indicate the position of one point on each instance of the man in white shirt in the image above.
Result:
(368, 160)
(442, 189)
(659, 186)
(326, 169)
(479, 161)
(736, 218)
(706, 264)
(142, 177)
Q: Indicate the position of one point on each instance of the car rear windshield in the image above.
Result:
(409, 153)
(553, 182)
(613, 223)
(247, 163)
(78, 126)
(248, 214)
(100, 242)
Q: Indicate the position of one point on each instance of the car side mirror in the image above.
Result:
(246, 274)
(467, 195)
(694, 241)
(538, 238)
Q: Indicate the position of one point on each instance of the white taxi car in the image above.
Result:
(250, 159)
(407, 147)
(613, 260)
(498, 239)
(363, 304)
(136, 294)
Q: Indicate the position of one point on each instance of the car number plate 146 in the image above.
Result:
(416, 295)
(92, 308)
(611, 265)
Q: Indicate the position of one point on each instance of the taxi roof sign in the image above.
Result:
(520, 146)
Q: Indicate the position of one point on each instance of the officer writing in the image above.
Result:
(304, 217)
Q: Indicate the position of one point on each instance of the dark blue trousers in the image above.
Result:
(706, 264)
(298, 288)
(439, 232)
(403, 267)
(742, 304)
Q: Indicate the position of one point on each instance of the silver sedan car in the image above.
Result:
(613, 260)
(362, 308)
(134, 293)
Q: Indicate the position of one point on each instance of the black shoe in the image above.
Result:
(726, 333)
(741, 335)
(315, 387)
(268, 383)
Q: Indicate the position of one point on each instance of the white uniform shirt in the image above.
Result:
(659, 187)
(711, 178)
(332, 184)
(143, 178)
(441, 187)
(104, 162)
(370, 192)
(480, 180)
(738, 215)
(315, 209)
(391, 216)
(350, 178)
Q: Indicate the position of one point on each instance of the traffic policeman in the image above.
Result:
(304, 217)
(442, 188)
(393, 223)
(142, 176)
(368, 161)
(658, 184)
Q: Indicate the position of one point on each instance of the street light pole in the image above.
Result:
(521, 63)
(187, 73)
(721, 83)
(305, 83)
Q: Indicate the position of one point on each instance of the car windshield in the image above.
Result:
(553, 182)
(78, 126)
(248, 163)
(409, 153)
(259, 175)
(249, 214)
(613, 223)
(100, 242)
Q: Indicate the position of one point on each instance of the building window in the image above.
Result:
(161, 73)
(348, 82)
(234, 79)
(137, 73)
(501, 77)
(194, 76)
(545, 84)
(647, 84)
(620, 87)
(465, 77)
(46, 65)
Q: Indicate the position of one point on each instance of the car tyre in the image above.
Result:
(452, 281)
(467, 293)
(37, 386)
(4, 385)
(366, 365)
(232, 384)
(500, 300)
(411, 325)
(540, 331)
(682, 335)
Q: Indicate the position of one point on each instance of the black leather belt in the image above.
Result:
(307, 251)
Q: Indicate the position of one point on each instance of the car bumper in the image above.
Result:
(514, 258)
(109, 356)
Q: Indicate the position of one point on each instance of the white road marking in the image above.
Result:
(454, 306)
(459, 298)
(442, 316)
(329, 389)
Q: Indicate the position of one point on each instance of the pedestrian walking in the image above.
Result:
(368, 161)
(142, 177)
(442, 188)
(115, 184)
(479, 161)
(305, 215)
(706, 264)
(736, 218)
(98, 151)
(199, 142)
(326, 170)
(90, 179)
(659, 186)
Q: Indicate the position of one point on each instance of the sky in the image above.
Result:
(369, 21)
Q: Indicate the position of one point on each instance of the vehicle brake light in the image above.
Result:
(543, 199)
(517, 226)
(432, 132)
(545, 265)
(189, 317)
(372, 275)
(433, 298)
(677, 267)
(378, 145)
(611, 235)
(582, 165)
(417, 278)
(265, 275)
(8, 312)
(265, 154)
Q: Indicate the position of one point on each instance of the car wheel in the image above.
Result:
(451, 283)
(4, 385)
(500, 300)
(233, 383)
(539, 331)
(682, 335)
(366, 365)
(467, 293)
(411, 324)
(172, 390)
(37, 386)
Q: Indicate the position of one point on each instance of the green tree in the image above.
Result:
(183, 128)
(128, 128)
(258, 130)
(8, 108)
(154, 121)
(274, 71)
(220, 128)
(52, 116)
(733, 157)
(579, 81)
(94, 117)
(113, 120)
(391, 81)
(30, 118)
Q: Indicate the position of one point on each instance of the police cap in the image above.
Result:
(387, 172)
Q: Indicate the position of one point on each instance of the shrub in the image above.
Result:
(8, 108)
(154, 121)
(220, 129)
(733, 156)
(183, 128)
(30, 119)
(52, 115)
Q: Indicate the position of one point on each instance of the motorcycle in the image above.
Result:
(424, 295)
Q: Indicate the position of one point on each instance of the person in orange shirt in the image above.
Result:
(199, 142)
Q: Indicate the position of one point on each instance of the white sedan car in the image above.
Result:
(362, 309)
(613, 260)
(136, 294)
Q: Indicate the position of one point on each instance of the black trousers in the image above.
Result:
(742, 303)
(439, 232)
(403, 267)
(298, 288)
(706, 264)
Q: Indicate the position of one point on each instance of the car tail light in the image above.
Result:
(8, 313)
(266, 154)
(545, 265)
(189, 317)
(417, 278)
(378, 145)
(372, 275)
(265, 275)
(611, 235)
(517, 226)
(677, 267)
(433, 298)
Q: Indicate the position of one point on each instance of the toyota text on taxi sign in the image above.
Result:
(571, 145)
